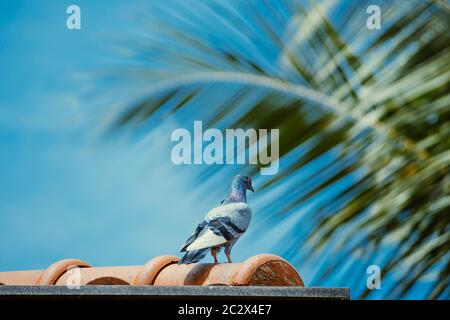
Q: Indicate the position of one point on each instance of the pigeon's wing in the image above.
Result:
(218, 231)
(206, 239)
(232, 214)
(194, 236)
(225, 224)
(226, 209)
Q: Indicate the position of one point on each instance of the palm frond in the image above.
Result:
(364, 118)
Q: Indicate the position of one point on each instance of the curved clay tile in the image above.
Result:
(267, 269)
(20, 277)
(57, 269)
(262, 270)
(152, 268)
(108, 281)
(91, 275)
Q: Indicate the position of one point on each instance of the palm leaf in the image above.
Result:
(364, 118)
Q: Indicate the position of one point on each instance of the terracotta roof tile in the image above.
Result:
(264, 269)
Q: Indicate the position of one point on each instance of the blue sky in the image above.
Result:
(64, 192)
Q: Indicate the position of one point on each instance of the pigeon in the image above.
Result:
(222, 226)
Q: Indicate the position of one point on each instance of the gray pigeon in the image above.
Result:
(222, 226)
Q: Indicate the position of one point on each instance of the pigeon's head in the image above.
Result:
(244, 182)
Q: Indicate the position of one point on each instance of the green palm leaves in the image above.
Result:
(366, 113)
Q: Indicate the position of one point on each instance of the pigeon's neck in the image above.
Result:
(237, 194)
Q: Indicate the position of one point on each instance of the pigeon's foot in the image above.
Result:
(228, 253)
(214, 254)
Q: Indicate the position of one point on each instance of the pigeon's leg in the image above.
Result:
(228, 253)
(214, 254)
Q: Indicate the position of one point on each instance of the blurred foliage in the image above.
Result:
(377, 101)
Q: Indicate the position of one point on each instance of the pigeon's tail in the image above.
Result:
(193, 256)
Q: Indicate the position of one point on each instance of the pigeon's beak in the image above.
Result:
(250, 187)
